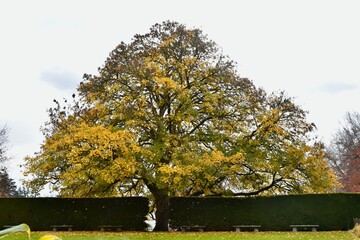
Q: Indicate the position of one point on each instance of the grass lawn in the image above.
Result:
(189, 236)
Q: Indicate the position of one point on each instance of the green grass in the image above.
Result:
(190, 236)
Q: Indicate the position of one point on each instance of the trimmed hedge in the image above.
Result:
(82, 213)
(330, 211)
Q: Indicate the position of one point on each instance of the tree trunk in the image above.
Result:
(162, 204)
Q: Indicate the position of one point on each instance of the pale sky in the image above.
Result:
(308, 48)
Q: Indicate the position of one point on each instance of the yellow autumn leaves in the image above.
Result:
(198, 172)
(91, 154)
(169, 113)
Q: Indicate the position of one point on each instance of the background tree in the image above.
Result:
(3, 140)
(344, 151)
(168, 115)
(7, 184)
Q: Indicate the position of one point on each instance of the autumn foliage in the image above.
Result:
(344, 153)
(168, 115)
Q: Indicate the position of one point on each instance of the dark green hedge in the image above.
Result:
(330, 211)
(82, 213)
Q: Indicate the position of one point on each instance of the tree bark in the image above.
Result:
(162, 204)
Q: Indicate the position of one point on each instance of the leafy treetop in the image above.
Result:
(168, 115)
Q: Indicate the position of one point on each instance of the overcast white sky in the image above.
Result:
(308, 48)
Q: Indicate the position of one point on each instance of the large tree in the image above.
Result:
(344, 153)
(168, 115)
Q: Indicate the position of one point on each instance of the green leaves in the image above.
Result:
(169, 112)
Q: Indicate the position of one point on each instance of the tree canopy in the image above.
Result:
(168, 115)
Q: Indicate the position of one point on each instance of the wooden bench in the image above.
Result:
(304, 227)
(239, 227)
(104, 228)
(62, 227)
(192, 228)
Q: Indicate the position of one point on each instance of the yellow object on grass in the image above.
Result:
(25, 228)
(50, 237)
(18, 228)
